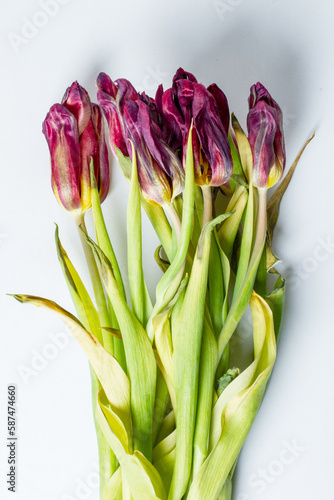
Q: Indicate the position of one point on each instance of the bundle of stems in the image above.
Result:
(171, 408)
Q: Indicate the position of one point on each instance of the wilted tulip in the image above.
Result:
(75, 135)
(188, 101)
(133, 118)
(160, 172)
(265, 135)
(112, 96)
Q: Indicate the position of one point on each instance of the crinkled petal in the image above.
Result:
(258, 94)
(222, 105)
(212, 137)
(262, 127)
(103, 173)
(61, 132)
(105, 83)
(152, 177)
(77, 101)
(116, 131)
(181, 74)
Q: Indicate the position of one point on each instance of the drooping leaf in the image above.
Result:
(275, 200)
(112, 377)
(245, 151)
(113, 490)
(187, 337)
(240, 411)
(142, 478)
(139, 356)
(81, 299)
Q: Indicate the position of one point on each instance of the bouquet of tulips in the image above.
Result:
(170, 408)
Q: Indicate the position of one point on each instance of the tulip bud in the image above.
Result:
(75, 135)
(265, 135)
(112, 97)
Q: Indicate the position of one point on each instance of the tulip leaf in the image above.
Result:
(164, 458)
(114, 332)
(104, 243)
(112, 377)
(169, 283)
(239, 180)
(102, 235)
(167, 427)
(164, 447)
(242, 294)
(155, 213)
(240, 411)
(139, 356)
(165, 467)
(163, 342)
(187, 337)
(271, 260)
(226, 379)
(238, 174)
(228, 230)
(125, 163)
(113, 490)
(83, 304)
(216, 293)
(160, 224)
(276, 302)
(245, 151)
(142, 478)
(162, 263)
(88, 316)
(275, 200)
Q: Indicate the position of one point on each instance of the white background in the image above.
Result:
(286, 45)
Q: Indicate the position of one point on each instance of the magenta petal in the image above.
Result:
(162, 154)
(105, 83)
(222, 104)
(116, 132)
(126, 92)
(77, 101)
(260, 100)
(181, 74)
(212, 136)
(173, 122)
(152, 177)
(262, 127)
(103, 173)
(61, 132)
(112, 98)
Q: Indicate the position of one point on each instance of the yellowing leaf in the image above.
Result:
(240, 411)
(142, 478)
(112, 377)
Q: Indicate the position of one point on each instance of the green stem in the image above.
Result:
(241, 299)
(207, 204)
(205, 397)
(171, 211)
(107, 460)
(246, 243)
